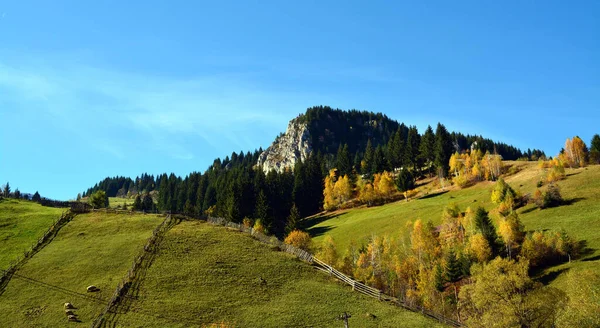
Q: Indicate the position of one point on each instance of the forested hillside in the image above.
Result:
(354, 142)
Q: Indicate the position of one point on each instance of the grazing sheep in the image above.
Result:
(69, 306)
(92, 288)
(72, 318)
(69, 312)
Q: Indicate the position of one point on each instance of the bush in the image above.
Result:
(247, 222)
(259, 227)
(552, 197)
(299, 239)
(462, 181)
(99, 199)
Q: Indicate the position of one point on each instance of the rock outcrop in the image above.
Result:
(289, 148)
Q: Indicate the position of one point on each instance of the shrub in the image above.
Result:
(99, 199)
(462, 181)
(552, 197)
(299, 239)
(247, 222)
(501, 190)
(259, 227)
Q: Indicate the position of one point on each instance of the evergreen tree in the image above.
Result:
(367, 168)
(147, 203)
(411, 149)
(6, 190)
(483, 224)
(394, 150)
(453, 267)
(36, 197)
(344, 163)
(137, 203)
(427, 148)
(439, 278)
(262, 211)
(405, 181)
(443, 150)
(17, 194)
(292, 220)
(595, 149)
(379, 164)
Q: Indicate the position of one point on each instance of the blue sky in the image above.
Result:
(104, 88)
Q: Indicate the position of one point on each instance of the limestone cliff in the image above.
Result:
(289, 148)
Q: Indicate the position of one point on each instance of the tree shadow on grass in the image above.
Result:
(573, 173)
(590, 259)
(313, 221)
(550, 276)
(318, 231)
(572, 201)
(434, 195)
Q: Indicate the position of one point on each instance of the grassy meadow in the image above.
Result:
(205, 275)
(22, 223)
(93, 249)
(580, 216)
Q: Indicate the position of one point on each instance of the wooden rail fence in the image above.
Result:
(324, 267)
(121, 290)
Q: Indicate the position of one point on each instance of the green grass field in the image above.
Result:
(114, 202)
(93, 249)
(22, 223)
(205, 274)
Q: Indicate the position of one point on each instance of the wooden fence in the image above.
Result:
(19, 261)
(324, 267)
(123, 287)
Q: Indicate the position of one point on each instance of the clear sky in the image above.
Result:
(90, 89)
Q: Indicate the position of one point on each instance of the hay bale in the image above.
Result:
(69, 306)
(92, 288)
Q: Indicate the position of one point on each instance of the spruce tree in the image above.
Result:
(137, 203)
(37, 198)
(483, 224)
(368, 159)
(292, 220)
(443, 150)
(7, 190)
(427, 148)
(262, 210)
(147, 203)
(453, 267)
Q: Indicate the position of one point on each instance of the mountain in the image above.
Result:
(265, 185)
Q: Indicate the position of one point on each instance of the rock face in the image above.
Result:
(289, 148)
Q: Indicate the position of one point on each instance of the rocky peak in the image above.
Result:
(289, 148)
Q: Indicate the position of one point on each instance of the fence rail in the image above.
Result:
(123, 287)
(324, 267)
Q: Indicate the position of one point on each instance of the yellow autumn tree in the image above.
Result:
(366, 193)
(511, 231)
(456, 164)
(329, 200)
(480, 248)
(299, 239)
(384, 185)
(575, 151)
(342, 190)
(328, 252)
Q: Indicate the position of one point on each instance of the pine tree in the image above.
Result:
(379, 163)
(147, 203)
(137, 203)
(367, 168)
(36, 197)
(292, 220)
(595, 149)
(7, 190)
(443, 150)
(427, 148)
(453, 268)
(484, 225)
(344, 163)
(411, 149)
(439, 278)
(17, 194)
(262, 211)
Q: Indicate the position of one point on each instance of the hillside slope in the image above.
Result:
(579, 217)
(205, 274)
(93, 249)
(22, 223)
